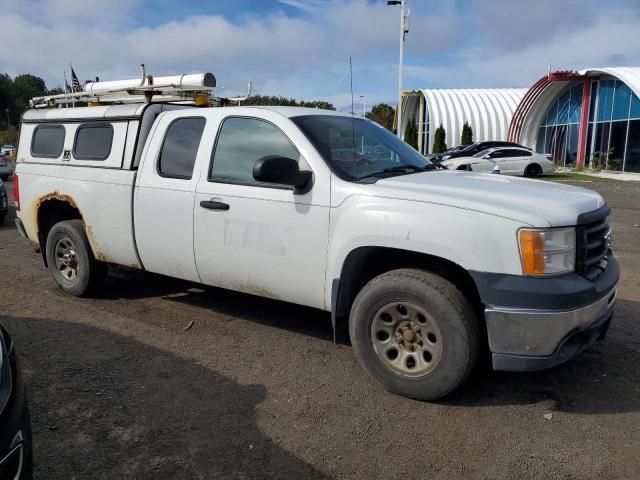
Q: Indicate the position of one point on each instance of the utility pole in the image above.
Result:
(404, 29)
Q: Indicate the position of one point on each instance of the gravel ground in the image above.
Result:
(256, 389)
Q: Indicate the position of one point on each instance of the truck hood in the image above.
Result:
(536, 202)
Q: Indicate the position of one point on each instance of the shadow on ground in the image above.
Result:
(126, 283)
(107, 406)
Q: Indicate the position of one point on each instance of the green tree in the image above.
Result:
(411, 133)
(467, 134)
(383, 114)
(287, 102)
(25, 87)
(440, 140)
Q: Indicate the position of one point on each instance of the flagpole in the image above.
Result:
(66, 86)
(73, 101)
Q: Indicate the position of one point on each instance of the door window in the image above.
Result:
(180, 147)
(241, 143)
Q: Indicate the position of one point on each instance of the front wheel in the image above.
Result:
(70, 259)
(415, 333)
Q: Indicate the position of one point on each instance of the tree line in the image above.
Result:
(15, 94)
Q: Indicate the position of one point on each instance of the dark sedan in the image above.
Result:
(16, 459)
(4, 202)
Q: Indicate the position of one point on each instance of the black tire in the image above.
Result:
(533, 171)
(466, 168)
(445, 305)
(2, 217)
(89, 273)
(4, 177)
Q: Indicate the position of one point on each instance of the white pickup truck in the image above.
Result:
(422, 266)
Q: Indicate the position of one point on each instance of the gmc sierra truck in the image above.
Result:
(422, 266)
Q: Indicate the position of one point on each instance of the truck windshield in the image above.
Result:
(356, 149)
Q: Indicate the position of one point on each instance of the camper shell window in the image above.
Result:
(93, 141)
(48, 141)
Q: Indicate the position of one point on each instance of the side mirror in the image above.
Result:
(282, 170)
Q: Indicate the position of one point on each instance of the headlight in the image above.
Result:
(446, 157)
(547, 251)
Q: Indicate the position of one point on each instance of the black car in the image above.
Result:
(4, 202)
(16, 458)
(471, 150)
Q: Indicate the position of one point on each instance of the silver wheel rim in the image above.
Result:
(66, 258)
(406, 339)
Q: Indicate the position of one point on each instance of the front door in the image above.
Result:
(253, 237)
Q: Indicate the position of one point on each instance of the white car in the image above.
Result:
(510, 161)
(7, 149)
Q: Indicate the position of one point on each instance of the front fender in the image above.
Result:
(471, 239)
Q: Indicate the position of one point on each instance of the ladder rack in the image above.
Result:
(146, 94)
(195, 89)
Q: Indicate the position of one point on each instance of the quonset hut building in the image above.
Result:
(582, 118)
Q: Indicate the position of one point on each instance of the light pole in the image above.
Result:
(404, 29)
(364, 105)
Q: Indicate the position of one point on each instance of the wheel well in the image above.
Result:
(51, 212)
(365, 263)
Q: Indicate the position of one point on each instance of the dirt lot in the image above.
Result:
(256, 389)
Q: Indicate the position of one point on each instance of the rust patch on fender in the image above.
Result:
(63, 197)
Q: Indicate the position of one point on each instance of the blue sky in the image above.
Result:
(301, 48)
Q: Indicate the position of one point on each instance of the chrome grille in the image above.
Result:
(593, 244)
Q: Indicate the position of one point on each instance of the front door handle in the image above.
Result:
(213, 205)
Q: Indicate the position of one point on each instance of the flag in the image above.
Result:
(75, 83)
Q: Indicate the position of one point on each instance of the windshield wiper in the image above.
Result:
(399, 169)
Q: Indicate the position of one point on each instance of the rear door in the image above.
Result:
(164, 195)
(516, 160)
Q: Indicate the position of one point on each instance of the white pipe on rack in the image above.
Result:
(187, 80)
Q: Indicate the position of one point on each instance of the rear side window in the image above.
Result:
(93, 142)
(514, 152)
(48, 141)
(180, 147)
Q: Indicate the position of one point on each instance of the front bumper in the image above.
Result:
(537, 323)
(529, 340)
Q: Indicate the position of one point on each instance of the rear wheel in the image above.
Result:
(415, 333)
(533, 171)
(70, 259)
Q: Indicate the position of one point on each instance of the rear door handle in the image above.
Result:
(213, 205)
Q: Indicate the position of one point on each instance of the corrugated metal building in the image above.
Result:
(587, 117)
(488, 111)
